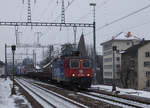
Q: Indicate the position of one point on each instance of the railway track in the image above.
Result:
(47, 98)
(115, 100)
(108, 98)
(112, 99)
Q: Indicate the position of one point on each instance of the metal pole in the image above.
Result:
(16, 34)
(13, 52)
(6, 73)
(35, 59)
(13, 70)
(94, 53)
(75, 33)
(13, 89)
(94, 41)
(114, 82)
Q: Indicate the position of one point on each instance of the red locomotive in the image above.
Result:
(73, 71)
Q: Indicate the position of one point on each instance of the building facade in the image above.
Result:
(2, 68)
(135, 72)
(110, 57)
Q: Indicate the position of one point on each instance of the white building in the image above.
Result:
(121, 42)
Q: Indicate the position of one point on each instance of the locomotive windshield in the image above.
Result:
(74, 63)
(86, 64)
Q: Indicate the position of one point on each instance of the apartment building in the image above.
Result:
(135, 72)
(111, 57)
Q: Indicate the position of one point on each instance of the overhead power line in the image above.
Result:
(88, 13)
(69, 4)
(137, 26)
(124, 17)
(48, 5)
(121, 18)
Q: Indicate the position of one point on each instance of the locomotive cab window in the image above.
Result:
(86, 64)
(68, 64)
(74, 63)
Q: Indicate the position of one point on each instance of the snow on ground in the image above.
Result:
(140, 93)
(8, 101)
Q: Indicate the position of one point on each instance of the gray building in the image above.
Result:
(111, 71)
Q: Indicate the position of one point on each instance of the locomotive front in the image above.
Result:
(79, 72)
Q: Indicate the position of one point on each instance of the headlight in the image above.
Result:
(88, 74)
(73, 75)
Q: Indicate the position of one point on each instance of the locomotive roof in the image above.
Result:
(76, 57)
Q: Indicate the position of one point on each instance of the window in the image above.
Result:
(108, 60)
(147, 64)
(118, 59)
(74, 63)
(148, 74)
(108, 74)
(68, 64)
(107, 46)
(108, 52)
(147, 54)
(128, 43)
(148, 83)
(86, 64)
(107, 66)
(118, 66)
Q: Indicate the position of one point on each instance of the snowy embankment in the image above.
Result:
(8, 101)
(140, 93)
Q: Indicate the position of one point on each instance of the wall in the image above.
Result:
(141, 69)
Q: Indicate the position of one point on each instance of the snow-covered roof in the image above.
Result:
(37, 67)
(122, 37)
(48, 63)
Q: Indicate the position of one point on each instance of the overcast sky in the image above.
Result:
(78, 11)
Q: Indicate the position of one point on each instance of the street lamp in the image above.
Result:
(94, 41)
(13, 48)
(114, 48)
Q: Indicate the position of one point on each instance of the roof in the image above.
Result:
(115, 40)
(1, 63)
(122, 37)
(136, 47)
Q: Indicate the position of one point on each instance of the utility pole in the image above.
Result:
(63, 12)
(94, 41)
(75, 34)
(114, 48)
(29, 11)
(13, 48)
(39, 34)
(17, 34)
(34, 58)
(29, 15)
(6, 73)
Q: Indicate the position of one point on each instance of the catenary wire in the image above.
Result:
(48, 5)
(121, 18)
